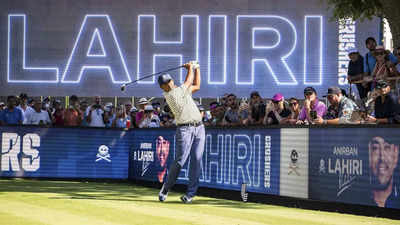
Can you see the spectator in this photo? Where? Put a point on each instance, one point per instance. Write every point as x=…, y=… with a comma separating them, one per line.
x=277, y=112
x=345, y=107
x=133, y=115
x=11, y=115
x=157, y=108
x=167, y=117
x=109, y=112
x=39, y=116
x=128, y=107
x=397, y=54
x=383, y=161
x=2, y=106
x=140, y=115
x=46, y=107
x=121, y=117
x=312, y=107
x=23, y=106
x=150, y=120
x=217, y=114
x=73, y=115
x=83, y=107
x=95, y=114
x=256, y=110
x=231, y=117
x=369, y=59
x=383, y=67
x=356, y=71
x=294, y=109
x=387, y=108
x=243, y=112
x=58, y=114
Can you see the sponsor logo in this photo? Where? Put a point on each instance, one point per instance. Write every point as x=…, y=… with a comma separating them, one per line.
x=103, y=154
x=293, y=163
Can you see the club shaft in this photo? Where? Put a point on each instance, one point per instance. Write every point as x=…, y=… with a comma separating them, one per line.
x=154, y=74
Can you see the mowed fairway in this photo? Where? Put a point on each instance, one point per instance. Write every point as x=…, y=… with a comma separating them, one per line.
x=65, y=202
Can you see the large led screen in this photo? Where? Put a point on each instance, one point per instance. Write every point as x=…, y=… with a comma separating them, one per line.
x=91, y=47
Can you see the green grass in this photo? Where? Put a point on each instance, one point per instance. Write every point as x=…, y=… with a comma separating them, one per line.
x=32, y=202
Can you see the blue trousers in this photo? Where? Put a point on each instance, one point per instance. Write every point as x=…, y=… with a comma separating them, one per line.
x=190, y=140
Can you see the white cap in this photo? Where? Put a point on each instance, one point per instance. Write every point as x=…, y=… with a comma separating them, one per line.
x=352, y=50
x=143, y=101
x=109, y=104
x=148, y=108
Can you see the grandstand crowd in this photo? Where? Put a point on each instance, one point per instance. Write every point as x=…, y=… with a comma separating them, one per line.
x=375, y=75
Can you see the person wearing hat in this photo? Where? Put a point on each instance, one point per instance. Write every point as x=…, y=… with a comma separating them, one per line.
x=370, y=60
x=387, y=108
x=95, y=115
x=277, y=112
x=150, y=120
x=190, y=133
x=345, y=107
x=39, y=116
x=140, y=115
x=312, y=107
x=355, y=73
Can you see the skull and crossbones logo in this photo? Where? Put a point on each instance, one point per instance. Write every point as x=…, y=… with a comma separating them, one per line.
x=293, y=165
x=103, y=154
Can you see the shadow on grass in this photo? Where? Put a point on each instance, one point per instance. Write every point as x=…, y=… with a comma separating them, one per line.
x=107, y=192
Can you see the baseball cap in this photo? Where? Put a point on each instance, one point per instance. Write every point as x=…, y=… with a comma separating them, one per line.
x=254, y=93
x=381, y=84
x=277, y=97
x=333, y=91
x=2, y=104
x=143, y=101
x=164, y=78
x=148, y=108
x=134, y=109
x=309, y=90
x=352, y=50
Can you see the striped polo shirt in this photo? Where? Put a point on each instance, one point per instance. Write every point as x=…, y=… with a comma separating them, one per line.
x=181, y=103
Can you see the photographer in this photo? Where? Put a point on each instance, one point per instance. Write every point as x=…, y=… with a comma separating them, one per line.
x=312, y=107
x=95, y=114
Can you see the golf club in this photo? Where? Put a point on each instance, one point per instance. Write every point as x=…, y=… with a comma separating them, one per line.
x=123, y=86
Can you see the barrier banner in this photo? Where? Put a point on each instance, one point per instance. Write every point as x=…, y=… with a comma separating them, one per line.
x=355, y=165
x=231, y=157
x=64, y=153
x=294, y=162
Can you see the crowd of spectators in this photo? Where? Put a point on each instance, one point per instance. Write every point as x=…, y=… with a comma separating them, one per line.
x=375, y=76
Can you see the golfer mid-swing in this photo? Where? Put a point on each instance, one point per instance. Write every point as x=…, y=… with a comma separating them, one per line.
x=190, y=133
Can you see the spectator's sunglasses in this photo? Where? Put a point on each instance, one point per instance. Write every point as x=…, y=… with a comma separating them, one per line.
x=308, y=93
x=293, y=103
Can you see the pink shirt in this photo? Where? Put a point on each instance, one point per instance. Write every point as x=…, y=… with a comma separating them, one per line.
x=318, y=106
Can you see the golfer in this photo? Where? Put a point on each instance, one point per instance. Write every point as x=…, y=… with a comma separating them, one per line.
x=190, y=133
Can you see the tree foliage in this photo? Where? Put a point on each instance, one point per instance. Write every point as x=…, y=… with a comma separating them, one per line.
x=356, y=9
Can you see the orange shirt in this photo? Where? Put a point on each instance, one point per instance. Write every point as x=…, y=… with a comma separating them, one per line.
x=72, y=117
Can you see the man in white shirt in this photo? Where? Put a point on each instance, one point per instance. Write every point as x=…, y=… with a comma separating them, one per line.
x=190, y=133
x=38, y=116
x=95, y=114
x=24, y=107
